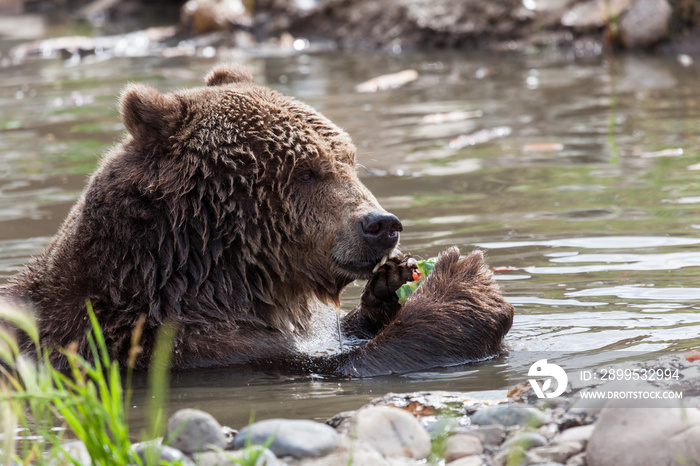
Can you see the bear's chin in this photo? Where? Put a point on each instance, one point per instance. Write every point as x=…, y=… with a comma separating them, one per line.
x=357, y=270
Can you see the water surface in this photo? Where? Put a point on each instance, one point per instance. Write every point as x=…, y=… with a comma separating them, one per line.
x=577, y=176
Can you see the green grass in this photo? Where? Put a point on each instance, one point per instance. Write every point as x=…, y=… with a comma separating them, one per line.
x=88, y=402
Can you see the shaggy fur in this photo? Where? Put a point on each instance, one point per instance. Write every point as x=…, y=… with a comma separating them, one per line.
x=229, y=210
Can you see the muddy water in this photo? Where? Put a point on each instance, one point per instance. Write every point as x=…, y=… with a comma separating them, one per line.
x=577, y=176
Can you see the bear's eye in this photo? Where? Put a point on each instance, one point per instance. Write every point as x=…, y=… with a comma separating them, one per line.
x=307, y=176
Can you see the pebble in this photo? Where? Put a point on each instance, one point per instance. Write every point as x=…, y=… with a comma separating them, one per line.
x=644, y=23
x=352, y=451
x=576, y=434
x=461, y=445
x=509, y=415
x=628, y=436
x=392, y=431
x=162, y=453
x=192, y=430
x=577, y=460
x=467, y=461
x=492, y=435
x=558, y=453
x=76, y=450
x=235, y=458
x=525, y=440
x=290, y=437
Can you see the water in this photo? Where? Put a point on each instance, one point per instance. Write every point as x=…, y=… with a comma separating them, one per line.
x=578, y=176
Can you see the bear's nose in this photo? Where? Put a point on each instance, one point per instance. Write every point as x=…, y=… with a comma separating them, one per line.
x=381, y=229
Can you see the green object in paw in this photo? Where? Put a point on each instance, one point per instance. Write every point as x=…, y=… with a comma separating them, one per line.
x=423, y=270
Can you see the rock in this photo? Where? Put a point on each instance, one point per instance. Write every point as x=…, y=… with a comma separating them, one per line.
x=576, y=434
x=236, y=458
x=200, y=16
x=509, y=457
x=644, y=23
x=444, y=427
x=593, y=13
x=490, y=435
x=632, y=436
x=392, y=25
x=525, y=440
x=461, y=445
x=351, y=451
x=467, y=461
x=192, y=430
x=509, y=415
x=290, y=437
x=558, y=453
x=340, y=418
x=577, y=460
x=155, y=452
x=392, y=432
x=230, y=436
x=77, y=451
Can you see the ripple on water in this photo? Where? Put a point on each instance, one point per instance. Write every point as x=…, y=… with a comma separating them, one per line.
x=644, y=292
x=598, y=242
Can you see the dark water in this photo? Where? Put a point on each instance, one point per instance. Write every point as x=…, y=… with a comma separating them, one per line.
x=578, y=176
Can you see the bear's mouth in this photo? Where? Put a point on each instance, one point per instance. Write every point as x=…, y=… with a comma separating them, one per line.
x=366, y=268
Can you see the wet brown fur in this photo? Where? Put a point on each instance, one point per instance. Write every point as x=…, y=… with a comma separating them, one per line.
x=228, y=209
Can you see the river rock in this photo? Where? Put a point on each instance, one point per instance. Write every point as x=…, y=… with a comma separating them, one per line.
x=492, y=435
x=576, y=434
x=200, y=16
x=75, y=450
x=558, y=453
x=525, y=440
x=593, y=13
x=509, y=415
x=161, y=453
x=290, y=437
x=577, y=460
x=644, y=23
x=461, y=445
x=192, y=430
x=235, y=458
x=628, y=436
x=351, y=451
x=467, y=461
x=392, y=432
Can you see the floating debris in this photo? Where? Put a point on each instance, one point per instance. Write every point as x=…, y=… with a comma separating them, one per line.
x=428, y=403
x=387, y=81
x=447, y=117
x=133, y=44
x=663, y=153
x=543, y=147
x=484, y=72
x=480, y=137
x=505, y=268
x=685, y=60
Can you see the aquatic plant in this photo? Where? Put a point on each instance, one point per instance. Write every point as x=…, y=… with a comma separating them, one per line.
x=41, y=407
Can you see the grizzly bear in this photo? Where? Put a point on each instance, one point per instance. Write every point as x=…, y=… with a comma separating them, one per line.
x=231, y=211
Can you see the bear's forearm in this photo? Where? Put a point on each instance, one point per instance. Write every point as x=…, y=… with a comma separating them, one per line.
x=356, y=324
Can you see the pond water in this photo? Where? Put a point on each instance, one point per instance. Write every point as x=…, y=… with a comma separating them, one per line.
x=578, y=176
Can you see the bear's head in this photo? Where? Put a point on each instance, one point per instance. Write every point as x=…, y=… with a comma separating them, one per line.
x=260, y=184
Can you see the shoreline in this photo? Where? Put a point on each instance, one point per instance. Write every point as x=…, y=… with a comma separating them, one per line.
x=512, y=427
x=573, y=27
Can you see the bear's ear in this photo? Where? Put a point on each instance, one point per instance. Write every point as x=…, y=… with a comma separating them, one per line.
x=228, y=74
x=147, y=114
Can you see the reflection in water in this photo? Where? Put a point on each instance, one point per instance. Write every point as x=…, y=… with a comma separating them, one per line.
x=586, y=205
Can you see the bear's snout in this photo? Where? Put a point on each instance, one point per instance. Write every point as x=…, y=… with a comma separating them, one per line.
x=380, y=230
